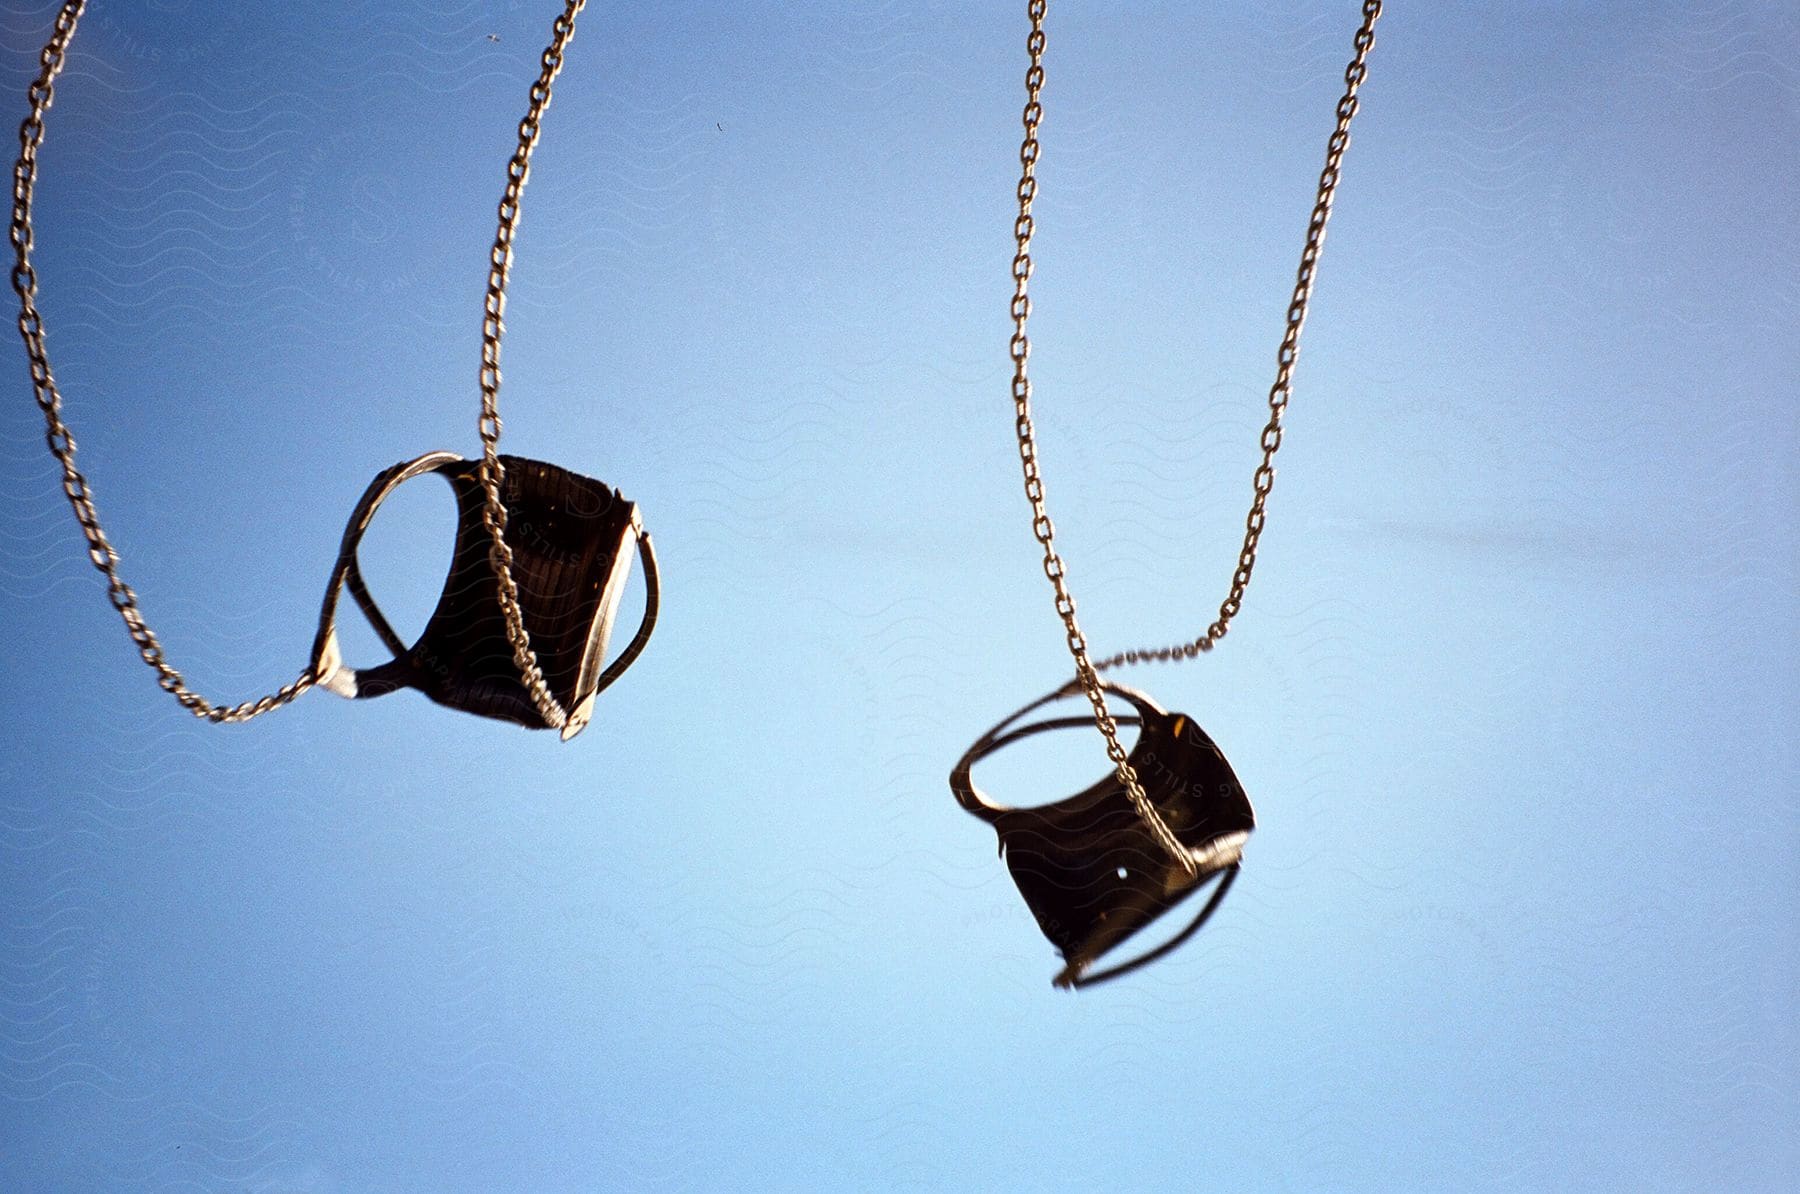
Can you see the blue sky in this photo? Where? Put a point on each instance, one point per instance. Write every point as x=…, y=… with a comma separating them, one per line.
x=1513, y=691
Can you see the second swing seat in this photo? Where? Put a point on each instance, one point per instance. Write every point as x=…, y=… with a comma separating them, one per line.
x=570, y=538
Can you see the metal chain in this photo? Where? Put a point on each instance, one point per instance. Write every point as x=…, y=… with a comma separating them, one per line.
x=1020, y=348
x=49, y=400
x=493, y=473
x=1086, y=671
x=1289, y=352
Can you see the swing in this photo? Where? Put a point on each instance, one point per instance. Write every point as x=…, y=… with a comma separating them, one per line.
x=1089, y=867
x=1098, y=867
x=541, y=557
x=571, y=539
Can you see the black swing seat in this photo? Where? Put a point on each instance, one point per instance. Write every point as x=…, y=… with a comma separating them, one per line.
x=570, y=538
x=1090, y=869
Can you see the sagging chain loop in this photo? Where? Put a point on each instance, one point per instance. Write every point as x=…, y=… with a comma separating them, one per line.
x=493, y=327
x=1087, y=672
x=1263, y=481
x=49, y=399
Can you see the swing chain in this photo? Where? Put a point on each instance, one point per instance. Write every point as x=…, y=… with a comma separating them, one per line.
x=1087, y=671
x=493, y=473
x=49, y=399
x=1042, y=529
x=1285, y=357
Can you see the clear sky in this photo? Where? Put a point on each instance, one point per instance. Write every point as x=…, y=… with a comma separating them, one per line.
x=1514, y=691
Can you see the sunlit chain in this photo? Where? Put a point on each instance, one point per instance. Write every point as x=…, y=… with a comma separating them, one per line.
x=493, y=327
x=49, y=400
x=1289, y=352
x=1020, y=348
x=1087, y=671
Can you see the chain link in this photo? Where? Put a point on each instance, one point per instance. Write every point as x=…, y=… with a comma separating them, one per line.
x=1087, y=672
x=493, y=473
x=49, y=399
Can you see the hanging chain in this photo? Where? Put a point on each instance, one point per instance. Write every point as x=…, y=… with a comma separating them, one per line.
x=49, y=400
x=1087, y=671
x=493, y=473
x=1020, y=349
x=1289, y=352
